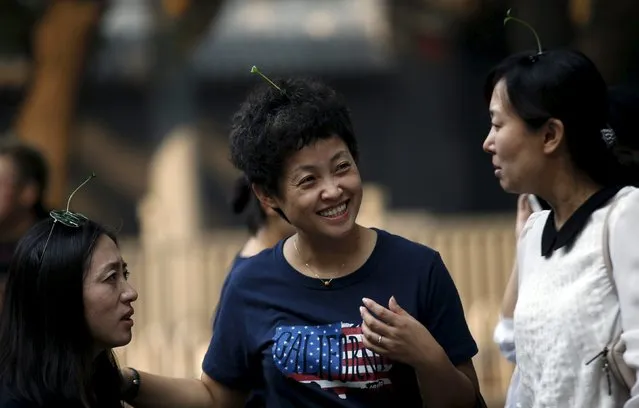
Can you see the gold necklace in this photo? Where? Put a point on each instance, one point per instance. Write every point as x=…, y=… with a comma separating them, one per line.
x=324, y=281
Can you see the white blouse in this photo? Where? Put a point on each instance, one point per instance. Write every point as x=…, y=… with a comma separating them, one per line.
x=566, y=310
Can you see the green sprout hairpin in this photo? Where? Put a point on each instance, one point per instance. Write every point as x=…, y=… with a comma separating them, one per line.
x=508, y=18
x=256, y=70
x=67, y=217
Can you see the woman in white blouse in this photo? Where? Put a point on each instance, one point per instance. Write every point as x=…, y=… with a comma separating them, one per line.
x=550, y=137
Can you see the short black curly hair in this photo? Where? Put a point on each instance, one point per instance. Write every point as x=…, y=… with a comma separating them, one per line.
x=271, y=125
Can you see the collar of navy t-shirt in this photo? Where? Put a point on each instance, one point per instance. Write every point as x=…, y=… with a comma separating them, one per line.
x=313, y=282
x=551, y=239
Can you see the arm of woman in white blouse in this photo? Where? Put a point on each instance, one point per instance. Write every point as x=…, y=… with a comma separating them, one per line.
x=624, y=236
x=504, y=334
x=504, y=331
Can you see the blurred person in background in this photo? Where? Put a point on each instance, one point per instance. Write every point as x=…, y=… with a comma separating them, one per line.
x=551, y=137
x=23, y=180
x=264, y=224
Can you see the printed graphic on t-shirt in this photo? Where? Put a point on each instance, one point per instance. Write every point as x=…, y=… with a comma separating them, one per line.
x=332, y=356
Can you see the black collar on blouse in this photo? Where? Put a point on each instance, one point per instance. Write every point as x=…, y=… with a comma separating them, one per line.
x=551, y=239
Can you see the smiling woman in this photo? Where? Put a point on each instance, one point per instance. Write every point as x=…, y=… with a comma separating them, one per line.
x=68, y=304
x=316, y=321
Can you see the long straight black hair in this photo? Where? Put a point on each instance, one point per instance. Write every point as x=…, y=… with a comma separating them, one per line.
x=47, y=354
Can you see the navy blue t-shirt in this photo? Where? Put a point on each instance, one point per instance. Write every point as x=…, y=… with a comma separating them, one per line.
x=237, y=261
x=302, y=341
x=256, y=397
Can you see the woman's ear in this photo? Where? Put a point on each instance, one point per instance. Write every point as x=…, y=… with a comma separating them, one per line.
x=553, y=135
x=266, y=199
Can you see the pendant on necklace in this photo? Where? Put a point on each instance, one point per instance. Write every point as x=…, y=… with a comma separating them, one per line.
x=327, y=283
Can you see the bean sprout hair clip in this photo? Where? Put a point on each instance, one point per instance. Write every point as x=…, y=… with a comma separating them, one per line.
x=540, y=51
x=609, y=136
x=256, y=70
x=66, y=217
